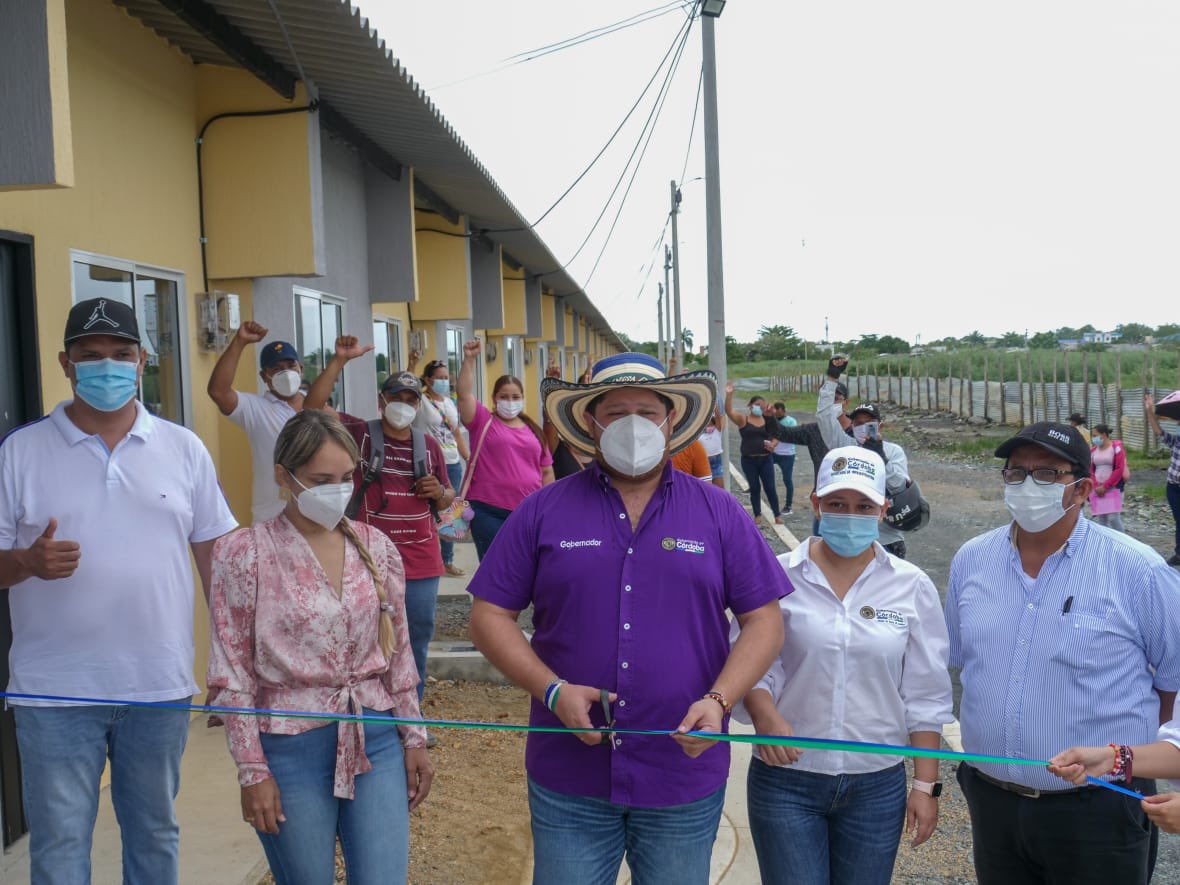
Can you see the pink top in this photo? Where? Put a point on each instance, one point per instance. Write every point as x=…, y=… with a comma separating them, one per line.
x=1106, y=469
x=282, y=639
x=508, y=467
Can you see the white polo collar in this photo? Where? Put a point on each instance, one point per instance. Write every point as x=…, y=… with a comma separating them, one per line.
x=142, y=428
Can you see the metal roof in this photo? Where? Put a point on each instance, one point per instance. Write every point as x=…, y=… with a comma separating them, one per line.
x=351, y=68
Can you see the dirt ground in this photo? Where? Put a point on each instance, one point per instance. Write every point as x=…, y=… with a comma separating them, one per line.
x=474, y=829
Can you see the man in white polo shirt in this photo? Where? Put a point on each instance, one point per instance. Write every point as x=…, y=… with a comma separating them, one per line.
x=262, y=417
x=100, y=504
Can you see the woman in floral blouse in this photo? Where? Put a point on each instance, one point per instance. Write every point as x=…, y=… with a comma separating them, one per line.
x=308, y=615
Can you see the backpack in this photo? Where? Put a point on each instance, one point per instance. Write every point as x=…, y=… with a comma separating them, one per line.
x=377, y=462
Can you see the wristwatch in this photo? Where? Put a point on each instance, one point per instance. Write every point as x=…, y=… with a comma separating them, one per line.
x=930, y=789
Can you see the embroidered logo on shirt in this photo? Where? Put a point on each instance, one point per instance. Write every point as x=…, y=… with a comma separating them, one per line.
x=683, y=545
x=588, y=542
x=889, y=616
x=868, y=612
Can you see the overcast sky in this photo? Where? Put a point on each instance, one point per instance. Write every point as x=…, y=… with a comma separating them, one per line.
x=906, y=168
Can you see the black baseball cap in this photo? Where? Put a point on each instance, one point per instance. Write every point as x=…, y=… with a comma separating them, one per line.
x=402, y=381
x=842, y=389
x=869, y=409
x=277, y=351
x=1062, y=440
x=101, y=316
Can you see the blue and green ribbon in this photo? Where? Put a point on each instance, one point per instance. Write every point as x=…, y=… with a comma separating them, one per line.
x=803, y=743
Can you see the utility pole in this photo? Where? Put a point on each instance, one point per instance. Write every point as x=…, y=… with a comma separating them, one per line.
x=827, y=340
x=666, y=330
x=678, y=329
x=660, y=316
x=715, y=274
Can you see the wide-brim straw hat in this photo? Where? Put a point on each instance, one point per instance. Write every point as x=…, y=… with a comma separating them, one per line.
x=693, y=396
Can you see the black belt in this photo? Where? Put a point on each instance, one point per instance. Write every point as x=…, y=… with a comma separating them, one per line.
x=1028, y=792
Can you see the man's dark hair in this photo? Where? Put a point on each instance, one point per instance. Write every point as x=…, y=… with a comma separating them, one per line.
x=780, y=406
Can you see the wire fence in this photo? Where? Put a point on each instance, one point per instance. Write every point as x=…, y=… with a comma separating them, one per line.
x=1013, y=403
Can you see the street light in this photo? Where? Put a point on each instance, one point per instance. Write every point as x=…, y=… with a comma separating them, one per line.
x=710, y=9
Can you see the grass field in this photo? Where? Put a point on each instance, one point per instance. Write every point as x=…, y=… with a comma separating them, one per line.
x=1131, y=366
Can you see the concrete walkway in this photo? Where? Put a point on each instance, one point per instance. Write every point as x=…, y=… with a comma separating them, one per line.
x=216, y=845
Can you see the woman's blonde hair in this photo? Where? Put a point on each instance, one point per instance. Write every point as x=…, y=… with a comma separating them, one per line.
x=298, y=442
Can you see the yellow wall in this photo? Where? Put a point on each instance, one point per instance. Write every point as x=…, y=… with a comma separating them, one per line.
x=133, y=107
x=512, y=286
x=443, y=281
x=548, y=318
x=568, y=319
x=260, y=206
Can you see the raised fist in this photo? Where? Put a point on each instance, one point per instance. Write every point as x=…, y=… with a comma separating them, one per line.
x=251, y=332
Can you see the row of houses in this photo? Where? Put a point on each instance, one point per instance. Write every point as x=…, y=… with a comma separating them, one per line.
x=208, y=161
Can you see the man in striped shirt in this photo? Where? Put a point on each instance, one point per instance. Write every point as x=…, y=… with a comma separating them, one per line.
x=1066, y=633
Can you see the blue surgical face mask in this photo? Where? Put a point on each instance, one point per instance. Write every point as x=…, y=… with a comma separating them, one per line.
x=441, y=386
x=756, y=411
x=106, y=385
x=848, y=535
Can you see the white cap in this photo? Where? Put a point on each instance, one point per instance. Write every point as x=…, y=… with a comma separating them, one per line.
x=855, y=468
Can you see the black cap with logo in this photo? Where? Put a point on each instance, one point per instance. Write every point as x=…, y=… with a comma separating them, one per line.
x=870, y=409
x=400, y=381
x=1062, y=440
x=101, y=316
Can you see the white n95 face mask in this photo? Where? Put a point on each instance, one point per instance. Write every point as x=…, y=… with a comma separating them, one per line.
x=286, y=383
x=633, y=445
x=1036, y=507
x=399, y=415
x=324, y=505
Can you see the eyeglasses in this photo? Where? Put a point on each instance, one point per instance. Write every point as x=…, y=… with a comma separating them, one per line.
x=1042, y=476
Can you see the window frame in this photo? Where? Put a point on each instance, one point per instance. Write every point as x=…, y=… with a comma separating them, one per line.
x=340, y=392
x=395, y=328
x=154, y=271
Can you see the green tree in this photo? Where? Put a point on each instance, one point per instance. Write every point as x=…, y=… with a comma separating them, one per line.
x=777, y=343
x=1011, y=339
x=1043, y=341
x=686, y=337
x=1132, y=333
x=975, y=339
x=1167, y=329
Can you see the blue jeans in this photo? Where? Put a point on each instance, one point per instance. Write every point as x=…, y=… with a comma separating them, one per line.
x=455, y=475
x=63, y=751
x=717, y=466
x=786, y=464
x=816, y=829
x=374, y=827
x=760, y=475
x=421, y=599
x=580, y=840
x=485, y=525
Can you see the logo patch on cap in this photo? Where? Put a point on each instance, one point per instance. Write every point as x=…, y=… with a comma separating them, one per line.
x=839, y=464
x=1059, y=436
x=99, y=315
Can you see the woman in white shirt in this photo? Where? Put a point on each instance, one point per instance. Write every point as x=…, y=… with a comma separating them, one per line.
x=711, y=439
x=1122, y=763
x=864, y=659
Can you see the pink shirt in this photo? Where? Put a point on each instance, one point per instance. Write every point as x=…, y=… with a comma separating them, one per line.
x=508, y=467
x=282, y=639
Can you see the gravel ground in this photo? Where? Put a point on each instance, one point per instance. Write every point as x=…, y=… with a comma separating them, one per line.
x=965, y=500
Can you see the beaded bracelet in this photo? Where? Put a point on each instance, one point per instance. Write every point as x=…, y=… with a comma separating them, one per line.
x=717, y=696
x=1124, y=758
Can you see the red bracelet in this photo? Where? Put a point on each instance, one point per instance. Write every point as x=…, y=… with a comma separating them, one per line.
x=717, y=696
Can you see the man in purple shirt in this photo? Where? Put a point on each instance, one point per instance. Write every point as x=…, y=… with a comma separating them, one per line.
x=630, y=567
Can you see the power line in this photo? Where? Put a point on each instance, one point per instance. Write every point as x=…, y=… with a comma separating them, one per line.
x=661, y=99
x=637, y=19
x=541, y=52
x=692, y=129
x=678, y=47
x=618, y=128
